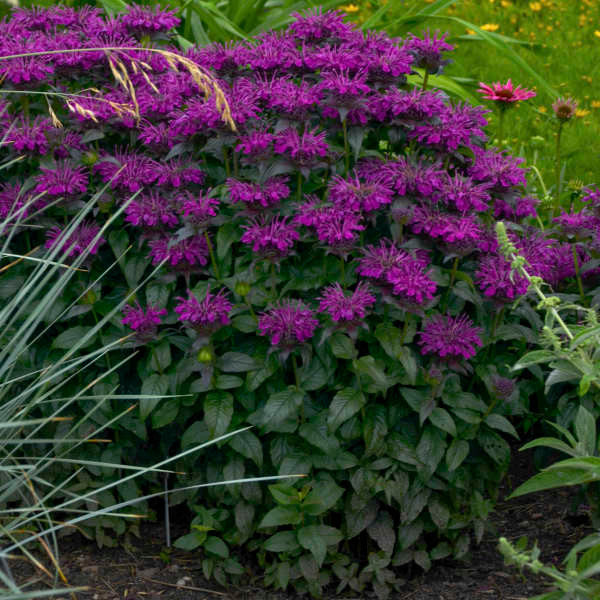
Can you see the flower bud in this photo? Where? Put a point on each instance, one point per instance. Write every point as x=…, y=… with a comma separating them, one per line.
x=89, y=297
x=90, y=158
x=205, y=355
x=242, y=288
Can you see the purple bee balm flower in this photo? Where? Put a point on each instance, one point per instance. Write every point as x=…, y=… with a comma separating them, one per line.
x=515, y=209
x=464, y=195
x=223, y=58
x=63, y=180
x=271, y=239
x=151, y=210
x=69, y=140
x=333, y=57
x=82, y=239
x=344, y=91
x=207, y=315
x=305, y=150
x=31, y=137
x=450, y=338
x=275, y=52
x=399, y=272
x=411, y=283
x=26, y=70
x=497, y=168
x=176, y=173
x=198, y=210
x=155, y=135
x=354, y=195
x=407, y=108
x=127, y=170
x=259, y=196
x=336, y=227
x=592, y=195
x=452, y=229
x=579, y=223
x=317, y=26
x=143, y=322
x=14, y=204
x=144, y=19
x=288, y=324
x=496, y=280
x=427, y=52
x=388, y=65
x=294, y=100
x=342, y=307
x=452, y=128
x=256, y=145
x=413, y=178
x=184, y=255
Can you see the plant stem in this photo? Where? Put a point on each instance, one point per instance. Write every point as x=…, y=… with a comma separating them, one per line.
x=299, y=187
x=501, y=126
x=295, y=367
x=346, y=147
x=212, y=256
x=557, y=169
x=425, y=79
x=452, y=279
x=235, y=164
x=226, y=161
x=578, y=276
x=343, y=269
x=273, y=280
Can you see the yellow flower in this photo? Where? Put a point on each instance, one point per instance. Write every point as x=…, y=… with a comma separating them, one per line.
x=535, y=6
x=470, y=32
x=350, y=8
x=581, y=112
x=505, y=3
x=542, y=109
x=595, y=103
x=490, y=27
x=597, y=33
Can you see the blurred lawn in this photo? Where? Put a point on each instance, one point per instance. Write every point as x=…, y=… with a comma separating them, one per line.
x=561, y=41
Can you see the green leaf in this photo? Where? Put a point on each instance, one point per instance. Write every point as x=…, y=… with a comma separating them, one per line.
x=585, y=430
x=374, y=429
x=501, y=423
x=549, y=479
x=218, y=410
x=534, y=358
x=342, y=346
x=317, y=434
x=550, y=443
x=166, y=413
x=494, y=446
x=226, y=236
x=191, y=541
x=281, y=515
x=313, y=377
x=456, y=453
x=160, y=358
x=439, y=512
x=254, y=379
x=316, y=538
x=134, y=270
x=157, y=294
x=248, y=445
x=215, y=545
x=236, y=362
x=431, y=448
x=282, y=541
x=280, y=407
x=67, y=339
x=442, y=420
x=155, y=385
x=445, y=83
x=228, y=382
x=344, y=405
x=244, y=323
x=323, y=496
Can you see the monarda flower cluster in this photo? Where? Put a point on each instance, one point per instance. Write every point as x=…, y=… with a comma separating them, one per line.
x=336, y=161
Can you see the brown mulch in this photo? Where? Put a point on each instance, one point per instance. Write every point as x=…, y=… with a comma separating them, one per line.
x=140, y=573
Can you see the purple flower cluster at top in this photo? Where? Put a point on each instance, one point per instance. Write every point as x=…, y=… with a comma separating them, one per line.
x=334, y=153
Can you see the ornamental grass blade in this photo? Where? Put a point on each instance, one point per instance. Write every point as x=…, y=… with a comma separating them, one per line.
x=442, y=82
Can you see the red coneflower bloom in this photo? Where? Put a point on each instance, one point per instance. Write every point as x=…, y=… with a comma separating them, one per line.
x=505, y=92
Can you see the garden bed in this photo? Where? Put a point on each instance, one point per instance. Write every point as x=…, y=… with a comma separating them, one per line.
x=141, y=571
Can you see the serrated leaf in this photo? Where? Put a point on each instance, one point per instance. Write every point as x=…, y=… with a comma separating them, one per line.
x=191, y=541
x=67, y=339
x=316, y=538
x=534, y=358
x=585, y=430
x=344, y=405
x=342, y=346
x=281, y=515
x=382, y=530
x=228, y=382
x=456, y=453
x=314, y=376
x=282, y=541
x=496, y=421
x=248, y=445
x=218, y=410
x=374, y=429
x=215, y=545
x=166, y=413
x=155, y=385
x=430, y=449
x=442, y=420
x=280, y=407
x=236, y=362
x=494, y=446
